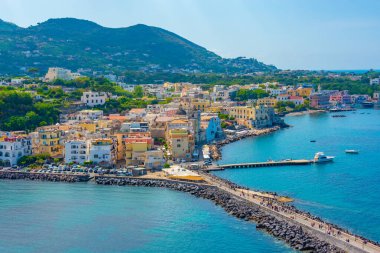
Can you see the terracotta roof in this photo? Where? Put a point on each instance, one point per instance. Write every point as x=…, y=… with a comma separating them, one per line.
x=137, y=110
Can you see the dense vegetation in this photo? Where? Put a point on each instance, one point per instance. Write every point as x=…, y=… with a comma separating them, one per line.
x=37, y=159
x=245, y=94
x=19, y=111
x=73, y=44
x=285, y=106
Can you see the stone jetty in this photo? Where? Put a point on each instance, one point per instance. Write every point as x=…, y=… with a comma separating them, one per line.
x=54, y=177
x=293, y=235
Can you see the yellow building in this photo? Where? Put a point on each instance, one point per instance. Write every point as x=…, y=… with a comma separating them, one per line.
x=268, y=101
x=120, y=151
x=304, y=92
x=253, y=117
x=242, y=114
x=90, y=127
x=198, y=104
x=135, y=149
x=48, y=140
x=300, y=92
x=181, y=144
x=214, y=109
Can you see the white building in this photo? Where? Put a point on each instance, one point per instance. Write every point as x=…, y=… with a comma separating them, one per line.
x=283, y=97
x=17, y=81
x=101, y=151
x=221, y=95
x=276, y=92
x=127, y=87
x=136, y=113
x=374, y=81
x=60, y=73
x=134, y=127
x=89, y=115
x=13, y=148
x=98, y=151
x=296, y=100
x=76, y=151
x=92, y=98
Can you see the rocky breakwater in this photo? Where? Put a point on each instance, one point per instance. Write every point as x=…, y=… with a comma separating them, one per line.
x=215, y=149
x=54, y=177
x=293, y=235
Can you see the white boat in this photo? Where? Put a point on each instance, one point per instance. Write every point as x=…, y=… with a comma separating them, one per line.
x=352, y=151
x=320, y=157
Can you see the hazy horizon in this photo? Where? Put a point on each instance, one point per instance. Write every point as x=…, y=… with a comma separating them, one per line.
x=296, y=34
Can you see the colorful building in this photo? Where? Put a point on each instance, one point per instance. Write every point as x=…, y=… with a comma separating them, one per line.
x=253, y=117
x=12, y=148
x=136, y=146
x=180, y=143
x=211, y=126
x=48, y=140
x=320, y=100
x=268, y=101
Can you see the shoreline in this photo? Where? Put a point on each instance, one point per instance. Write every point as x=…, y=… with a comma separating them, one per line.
x=259, y=209
x=215, y=149
x=293, y=235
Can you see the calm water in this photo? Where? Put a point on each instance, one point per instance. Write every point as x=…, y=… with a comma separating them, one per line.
x=58, y=217
x=345, y=192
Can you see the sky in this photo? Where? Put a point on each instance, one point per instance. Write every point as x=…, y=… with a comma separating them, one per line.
x=290, y=34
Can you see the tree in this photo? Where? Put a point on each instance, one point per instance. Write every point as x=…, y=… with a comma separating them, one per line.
x=138, y=91
x=245, y=94
x=33, y=71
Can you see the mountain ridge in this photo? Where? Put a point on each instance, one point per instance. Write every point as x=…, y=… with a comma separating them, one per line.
x=76, y=43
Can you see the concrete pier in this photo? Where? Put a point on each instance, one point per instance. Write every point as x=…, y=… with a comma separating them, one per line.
x=260, y=164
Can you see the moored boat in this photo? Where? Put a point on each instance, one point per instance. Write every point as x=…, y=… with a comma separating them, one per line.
x=352, y=151
x=320, y=157
x=368, y=104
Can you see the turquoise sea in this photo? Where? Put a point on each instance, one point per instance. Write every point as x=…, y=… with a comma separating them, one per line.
x=84, y=217
x=345, y=192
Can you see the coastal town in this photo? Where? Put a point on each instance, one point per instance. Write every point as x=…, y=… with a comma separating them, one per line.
x=189, y=126
x=172, y=137
x=181, y=123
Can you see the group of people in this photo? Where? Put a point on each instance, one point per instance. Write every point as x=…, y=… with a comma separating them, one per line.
x=276, y=206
